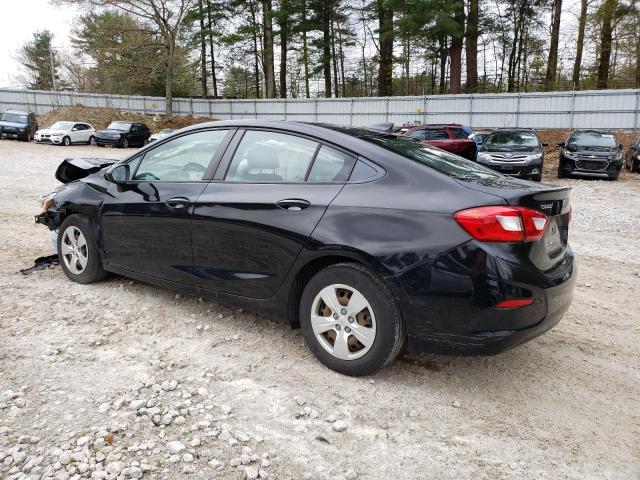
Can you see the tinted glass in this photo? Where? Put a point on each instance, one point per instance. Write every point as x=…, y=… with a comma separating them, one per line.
x=61, y=126
x=437, y=135
x=592, y=139
x=330, y=165
x=362, y=172
x=13, y=117
x=459, y=133
x=182, y=159
x=511, y=138
x=271, y=157
x=419, y=134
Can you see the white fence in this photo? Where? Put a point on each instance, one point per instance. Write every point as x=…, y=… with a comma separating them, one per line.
x=617, y=109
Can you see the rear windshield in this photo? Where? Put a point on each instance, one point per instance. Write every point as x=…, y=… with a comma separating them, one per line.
x=511, y=139
x=592, y=139
x=13, y=117
x=439, y=160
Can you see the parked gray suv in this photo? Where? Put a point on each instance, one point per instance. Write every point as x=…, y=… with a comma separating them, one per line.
x=513, y=151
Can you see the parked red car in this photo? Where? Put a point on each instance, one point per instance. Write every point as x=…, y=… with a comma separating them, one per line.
x=449, y=137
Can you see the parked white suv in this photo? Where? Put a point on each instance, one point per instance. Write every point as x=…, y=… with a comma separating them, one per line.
x=67, y=133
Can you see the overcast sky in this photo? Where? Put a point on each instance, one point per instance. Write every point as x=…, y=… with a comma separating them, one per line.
x=18, y=21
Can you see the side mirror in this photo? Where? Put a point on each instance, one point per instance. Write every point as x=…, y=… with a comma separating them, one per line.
x=119, y=175
x=545, y=144
x=560, y=144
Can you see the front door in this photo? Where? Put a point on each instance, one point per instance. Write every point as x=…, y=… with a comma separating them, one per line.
x=146, y=224
x=252, y=222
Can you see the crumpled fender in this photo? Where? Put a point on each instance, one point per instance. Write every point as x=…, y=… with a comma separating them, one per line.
x=76, y=168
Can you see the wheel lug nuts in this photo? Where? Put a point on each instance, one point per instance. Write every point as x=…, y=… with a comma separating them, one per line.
x=335, y=316
x=343, y=311
x=338, y=327
x=351, y=319
x=347, y=329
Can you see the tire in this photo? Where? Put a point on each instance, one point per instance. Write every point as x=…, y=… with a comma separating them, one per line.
x=536, y=178
x=66, y=141
x=614, y=176
x=561, y=174
x=28, y=137
x=383, y=325
x=125, y=143
x=92, y=141
x=78, y=227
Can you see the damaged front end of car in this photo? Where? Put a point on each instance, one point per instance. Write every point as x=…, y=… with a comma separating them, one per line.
x=57, y=204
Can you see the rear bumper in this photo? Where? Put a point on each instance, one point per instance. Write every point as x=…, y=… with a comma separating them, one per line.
x=449, y=305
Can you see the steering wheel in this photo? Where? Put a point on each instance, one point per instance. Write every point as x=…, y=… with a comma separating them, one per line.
x=192, y=169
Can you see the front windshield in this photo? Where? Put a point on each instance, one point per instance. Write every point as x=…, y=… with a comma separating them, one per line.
x=62, y=126
x=13, y=117
x=124, y=126
x=511, y=139
x=592, y=139
x=439, y=160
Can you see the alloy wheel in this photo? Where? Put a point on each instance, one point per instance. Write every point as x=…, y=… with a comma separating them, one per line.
x=74, y=250
x=343, y=322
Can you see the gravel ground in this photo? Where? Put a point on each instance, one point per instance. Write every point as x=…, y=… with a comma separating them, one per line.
x=124, y=380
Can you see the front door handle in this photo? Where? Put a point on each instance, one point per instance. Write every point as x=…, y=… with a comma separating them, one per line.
x=178, y=202
x=293, y=204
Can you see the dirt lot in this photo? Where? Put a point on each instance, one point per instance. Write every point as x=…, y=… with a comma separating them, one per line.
x=124, y=380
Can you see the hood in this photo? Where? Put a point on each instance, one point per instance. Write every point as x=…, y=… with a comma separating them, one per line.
x=50, y=131
x=12, y=124
x=512, y=150
x=595, y=151
x=76, y=168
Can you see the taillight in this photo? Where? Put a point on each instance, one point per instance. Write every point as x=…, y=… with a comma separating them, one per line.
x=503, y=224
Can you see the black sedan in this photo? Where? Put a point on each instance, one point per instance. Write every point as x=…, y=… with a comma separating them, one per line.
x=365, y=240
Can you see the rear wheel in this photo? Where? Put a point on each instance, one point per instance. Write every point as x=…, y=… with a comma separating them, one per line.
x=77, y=250
x=350, y=320
x=92, y=140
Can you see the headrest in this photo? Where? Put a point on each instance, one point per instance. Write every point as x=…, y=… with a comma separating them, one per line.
x=262, y=157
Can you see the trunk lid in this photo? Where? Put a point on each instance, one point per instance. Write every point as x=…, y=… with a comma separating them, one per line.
x=551, y=200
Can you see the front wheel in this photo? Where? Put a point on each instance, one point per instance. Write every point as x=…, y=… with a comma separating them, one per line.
x=66, y=141
x=350, y=320
x=536, y=178
x=77, y=251
x=125, y=143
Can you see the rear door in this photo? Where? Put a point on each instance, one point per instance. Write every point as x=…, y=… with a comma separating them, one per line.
x=252, y=221
x=146, y=225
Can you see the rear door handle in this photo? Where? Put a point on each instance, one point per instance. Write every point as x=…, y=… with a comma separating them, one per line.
x=293, y=204
x=178, y=202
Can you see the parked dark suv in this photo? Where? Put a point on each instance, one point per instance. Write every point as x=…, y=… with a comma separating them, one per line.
x=17, y=124
x=513, y=151
x=591, y=153
x=123, y=134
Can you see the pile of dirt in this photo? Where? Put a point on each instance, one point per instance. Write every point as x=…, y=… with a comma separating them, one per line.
x=102, y=117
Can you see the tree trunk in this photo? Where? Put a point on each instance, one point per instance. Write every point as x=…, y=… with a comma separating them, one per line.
x=305, y=52
x=577, y=65
x=341, y=57
x=472, y=47
x=326, y=46
x=443, y=65
x=606, y=33
x=267, y=52
x=168, y=95
x=256, y=56
x=284, y=38
x=552, y=62
x=455, y=49
x=214, y=78
x=385, y=41
x=203, y=51
x=335, y=59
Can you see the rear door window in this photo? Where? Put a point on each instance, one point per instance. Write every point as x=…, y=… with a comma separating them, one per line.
x=437, y=135
x=265, y=156
x=420, y=134
x=459, y=133
x=330, y=165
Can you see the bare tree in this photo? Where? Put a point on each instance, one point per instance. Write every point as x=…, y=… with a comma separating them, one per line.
x=163, y=16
